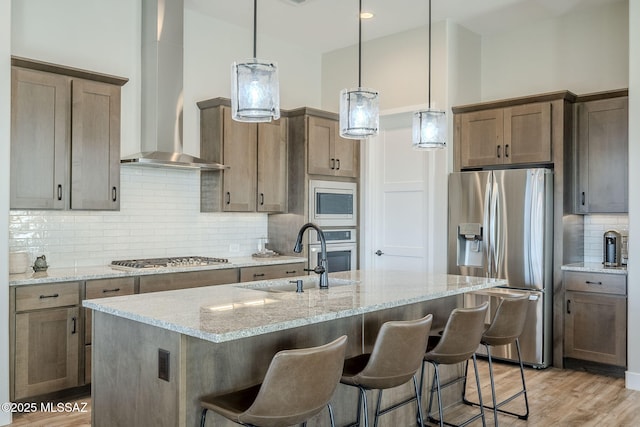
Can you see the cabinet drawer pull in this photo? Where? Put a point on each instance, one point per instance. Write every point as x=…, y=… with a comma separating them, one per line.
x=114, y=194
x=258, y=274
x=261, y=199
x=228, y=201
x=338, y=163
x=59, y=192
x=498, y=151
x=106, y=291
x=49, y=296
x=291, y=272
x=506, y=150
x=73, y=322
x=333, y=164
x=589, y=282
x=582, y=199
x=568, y=306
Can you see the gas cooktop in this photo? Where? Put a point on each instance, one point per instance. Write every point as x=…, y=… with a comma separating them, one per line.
x=190, y=261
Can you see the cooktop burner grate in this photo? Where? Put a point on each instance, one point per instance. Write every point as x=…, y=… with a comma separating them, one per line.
x=191, y=261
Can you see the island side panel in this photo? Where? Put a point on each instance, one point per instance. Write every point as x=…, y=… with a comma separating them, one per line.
x=126, y=390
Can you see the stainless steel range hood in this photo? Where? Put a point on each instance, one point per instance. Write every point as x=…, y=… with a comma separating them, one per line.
x=162, y=86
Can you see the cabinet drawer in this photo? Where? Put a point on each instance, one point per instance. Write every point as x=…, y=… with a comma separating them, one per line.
x=596, y=282
x=191, y=279
x=109, y=287
x=267, y=272
x=104, y=288
x=47, y=296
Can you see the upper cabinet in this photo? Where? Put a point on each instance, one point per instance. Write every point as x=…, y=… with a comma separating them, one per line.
x=602, y=153
x=65, y=138
x=256, y=158
x=329, y=153
x=518, y=134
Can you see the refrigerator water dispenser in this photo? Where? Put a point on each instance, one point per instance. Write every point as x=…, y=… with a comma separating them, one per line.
x=470, y=245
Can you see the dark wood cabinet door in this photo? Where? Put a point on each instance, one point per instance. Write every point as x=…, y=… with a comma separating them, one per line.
x=95, y=146
x=40, y=117
x=321, y=140
x=596, y=327
x=272, y=166
x=46, y=346
x=603, y=156
x=527, y=134
x=481, y=139
x=240, y=155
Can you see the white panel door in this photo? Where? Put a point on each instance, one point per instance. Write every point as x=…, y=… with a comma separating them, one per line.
x=398, y=198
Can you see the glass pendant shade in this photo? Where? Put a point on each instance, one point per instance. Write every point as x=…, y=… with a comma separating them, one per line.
x=359, y=113
x=255, y=92
x=429, y=129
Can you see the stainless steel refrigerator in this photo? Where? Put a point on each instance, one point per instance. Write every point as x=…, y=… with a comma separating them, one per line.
x=501, y=226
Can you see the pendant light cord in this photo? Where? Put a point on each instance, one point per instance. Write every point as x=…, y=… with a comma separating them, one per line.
x=255, y=25
x=360, y=45
x=429, y=99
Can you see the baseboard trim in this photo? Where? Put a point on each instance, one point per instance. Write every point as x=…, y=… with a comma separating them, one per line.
x=632, y=380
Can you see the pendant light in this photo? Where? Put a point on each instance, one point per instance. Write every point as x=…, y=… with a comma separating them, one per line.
x=430, y=125
x=255, y=92
x=359, y=109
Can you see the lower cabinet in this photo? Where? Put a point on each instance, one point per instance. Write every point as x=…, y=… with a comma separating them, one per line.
x=596, y=318
x=46, y=339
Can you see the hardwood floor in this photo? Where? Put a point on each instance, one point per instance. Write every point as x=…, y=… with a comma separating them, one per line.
x=556, y=398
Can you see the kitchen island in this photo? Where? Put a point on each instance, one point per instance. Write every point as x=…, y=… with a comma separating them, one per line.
x=154, y=355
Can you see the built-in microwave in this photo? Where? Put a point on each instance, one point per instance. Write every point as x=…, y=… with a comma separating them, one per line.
x=333, y=203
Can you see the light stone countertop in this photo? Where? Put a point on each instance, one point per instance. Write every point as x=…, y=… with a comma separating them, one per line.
x=230, y=312
x=53, y=275
x=594, y=267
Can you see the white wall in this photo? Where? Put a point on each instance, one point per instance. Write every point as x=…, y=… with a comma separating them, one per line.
x=396, y=66
x=582, y=52
x=633, y=278
x=5, y=121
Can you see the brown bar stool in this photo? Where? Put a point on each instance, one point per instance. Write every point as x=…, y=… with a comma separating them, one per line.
x=506, y=327
x=396, y=357
x=298, y=385
x=459, y=342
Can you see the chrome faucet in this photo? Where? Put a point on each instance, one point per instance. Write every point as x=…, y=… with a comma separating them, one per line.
x=322, y=268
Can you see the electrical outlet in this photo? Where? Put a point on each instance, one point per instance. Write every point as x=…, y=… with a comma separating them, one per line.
x=234, y=247
x=163, y=364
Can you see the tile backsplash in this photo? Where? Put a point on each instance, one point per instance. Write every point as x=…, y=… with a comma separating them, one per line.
x=594, y=228
x=159, y=216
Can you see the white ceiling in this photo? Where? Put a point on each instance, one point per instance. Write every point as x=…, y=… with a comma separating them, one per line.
x=326, y=25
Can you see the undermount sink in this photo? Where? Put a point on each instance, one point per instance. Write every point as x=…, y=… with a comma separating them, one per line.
x=291, y=287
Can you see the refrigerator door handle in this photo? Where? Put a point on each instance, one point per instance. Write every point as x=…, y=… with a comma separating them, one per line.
x=487, y=224
x=494, y=228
